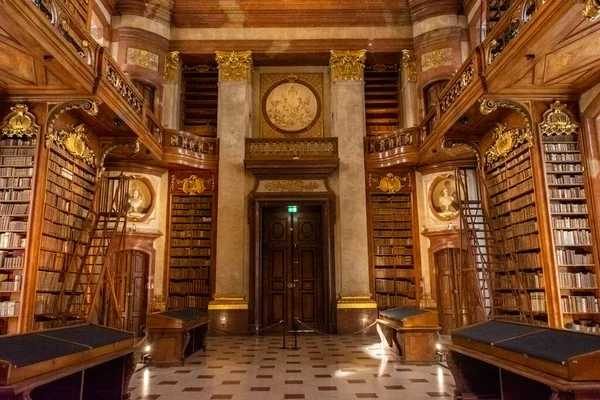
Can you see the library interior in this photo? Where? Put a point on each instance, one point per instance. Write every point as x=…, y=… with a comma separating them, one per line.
x=299, y=199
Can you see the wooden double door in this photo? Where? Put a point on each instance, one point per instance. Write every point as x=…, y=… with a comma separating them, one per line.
x=292, y=266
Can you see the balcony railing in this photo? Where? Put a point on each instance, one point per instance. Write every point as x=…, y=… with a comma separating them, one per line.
x=186, y=148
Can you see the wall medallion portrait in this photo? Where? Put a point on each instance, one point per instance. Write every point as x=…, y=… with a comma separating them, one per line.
x=443, y=197
x=291, y=106
x=141, y=198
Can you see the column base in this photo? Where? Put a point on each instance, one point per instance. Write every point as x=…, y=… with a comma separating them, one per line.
x=356, y=312
x=228, y=315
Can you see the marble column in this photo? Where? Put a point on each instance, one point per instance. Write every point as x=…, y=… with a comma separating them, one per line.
x=171, y=117
x=229, y=308
x=410, y=102
x=355, y=308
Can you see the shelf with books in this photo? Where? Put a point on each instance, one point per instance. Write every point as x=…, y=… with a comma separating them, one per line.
x=572, y=236
x=18, y=154
x=70, y=185
x=391, y=219
x=190, y=277
x=516, y=229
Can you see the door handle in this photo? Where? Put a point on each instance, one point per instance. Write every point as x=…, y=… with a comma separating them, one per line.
x=292, y=285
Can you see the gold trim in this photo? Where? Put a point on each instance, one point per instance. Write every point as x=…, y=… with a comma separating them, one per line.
x=437, y=58
x=505, y=140
x=142, y=58
x=391, y=183
x=20, y=123
x=356, y=300
x=291, y=186
x=487, y=106
x=193, y=184
x=347, y=65
x=173, y=65
x=234, y=66
x=89, y=106
x=228, y=301
x=409, y=65
x=557, y=121
x=75, y=143
x=591, y=10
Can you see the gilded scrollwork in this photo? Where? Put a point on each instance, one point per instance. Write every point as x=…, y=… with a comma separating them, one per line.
x=142, y=58
x=591, y=9
x=124, y=89
x=347, y=65
x=487, y=106
x=90, y=107
x=19, y=123
x=505, y=139
x=457, y=88
x=234, y=66
x=291, y=186
x=200, y=145
x=437, y=58
x=74, y=141
x=173, y=65
x=193, y=184
x=391, y=183
x=557, y=121
x=409, y=65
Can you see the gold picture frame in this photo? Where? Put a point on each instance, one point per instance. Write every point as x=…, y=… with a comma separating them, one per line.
x=141, y=198
x=443, y=197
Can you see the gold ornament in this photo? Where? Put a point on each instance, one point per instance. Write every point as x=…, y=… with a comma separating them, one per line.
x=19, y=123
x=291, y=186
x=435, y=59
x=347, y=65
x=409, y=65
x=557, y=121
x=505, y=139
x=234, y=66
x=193, y=184
x=172, y=66
x=390, y=184
x=591, y=10
x=75, y=142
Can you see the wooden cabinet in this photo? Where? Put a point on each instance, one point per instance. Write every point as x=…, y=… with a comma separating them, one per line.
x=394, y=250
x=191, y=241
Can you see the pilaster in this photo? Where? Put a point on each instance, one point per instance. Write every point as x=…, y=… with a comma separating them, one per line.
x=410, y=100
x=356, y=308
x=171, y=118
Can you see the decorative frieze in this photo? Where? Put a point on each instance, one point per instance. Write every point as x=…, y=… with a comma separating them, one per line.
x=298, y=148
x=395, y=141
x=437, y=58
x=142, y=58
x=234, y=66
x=347, y=65
x=291, y=186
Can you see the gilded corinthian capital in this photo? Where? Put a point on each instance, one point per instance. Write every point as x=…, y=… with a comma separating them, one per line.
x=234, y=66
x=172, y=66
x=591, y=10
x=347, y=65
x=409, y=67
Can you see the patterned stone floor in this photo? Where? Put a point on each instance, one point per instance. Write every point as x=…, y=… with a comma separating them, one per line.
x=324, y=368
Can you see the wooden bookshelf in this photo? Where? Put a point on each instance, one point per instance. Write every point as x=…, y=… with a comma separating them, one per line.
x=190, y=272
x=396, y=275
x=510, y=185
x=69, y=194
x=572, y=237
x=17, y=176
x=200, y=93
x=382, y=98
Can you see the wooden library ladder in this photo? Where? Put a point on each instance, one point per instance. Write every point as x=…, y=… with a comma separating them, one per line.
x=93, y=264
x=491, y=263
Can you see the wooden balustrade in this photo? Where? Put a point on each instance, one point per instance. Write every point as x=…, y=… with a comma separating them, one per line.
x=401, y=146
x=185, y=148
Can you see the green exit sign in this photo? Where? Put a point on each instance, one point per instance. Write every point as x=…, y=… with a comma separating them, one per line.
x=292, y=209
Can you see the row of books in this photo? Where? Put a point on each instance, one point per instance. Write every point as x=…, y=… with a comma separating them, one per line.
x=18, y=142
x=391, y=273
x=71, y=166
x=565, y=180
x=12, y=239
x=392, y=225
x=389, y=286
x=22, y=151
x=579, y=280
x=15, y=183
x=522, y=228
x=580, y=304
x=16, y=172
x=393, y=260
x=179, y=201
x=15, y=195
x=578, y=223
x=391, y=217
x=191, y=226
x=530, y=280
x=9, y=308
x=403, y=205
x=517, y=160
x=560, y=138
x=189, y=273
x=570, y=193
x=520, y=177
x=10, y=224
x=390, y=301
x=14, y=262
x=59, y=217
x=17, y=161
x=572, y=238
x=63, y=173
x=588, y=326
x=192, y=233
x=396, y=251
x=58, y=245
x=558, y=147
x=178, y=220
x=568, y=208
x=392, y=211
x=190, y=242
x=14, y=209
x=572, y=257
x=49, y=281
x=524, y=243
x=513, y=192
x=51, y=260
x=190, y=262
x=62, y=231
x=565, y=157
x=393, y=242
x=65, y=191
x=397, y=198
x=12, y=286
x=553, y=167
x=502, y=175
x=516, y=217
x=528, y=260
x=192, y=213
x=198, y=302
x=393, y=234
x=180, y=251
x=192, y=286
x=536, y=302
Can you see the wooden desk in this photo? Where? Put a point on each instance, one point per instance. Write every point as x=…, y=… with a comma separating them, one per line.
x=176, y=334
x=81, y=362
x=501, y=360
x=409, y=332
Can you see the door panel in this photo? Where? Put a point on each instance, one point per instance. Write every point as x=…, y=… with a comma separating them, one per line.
x=137, y=292
x=292, y=256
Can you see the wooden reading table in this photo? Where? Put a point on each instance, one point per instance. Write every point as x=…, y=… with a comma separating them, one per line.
x=176, y=334
x=409, y=332
x=504, y=360
x=80, y=362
